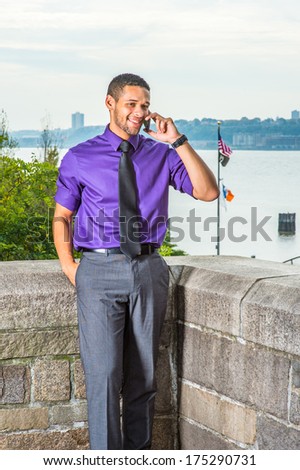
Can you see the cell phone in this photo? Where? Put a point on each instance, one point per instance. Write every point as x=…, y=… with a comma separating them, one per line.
x=147, y=125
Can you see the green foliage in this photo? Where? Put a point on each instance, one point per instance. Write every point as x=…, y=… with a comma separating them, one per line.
x=49, y=142
x=46, y=142
x=52, y=156
x=26, y=209
x=168, y=248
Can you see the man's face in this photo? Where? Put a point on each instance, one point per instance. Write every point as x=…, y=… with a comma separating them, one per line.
x=127, y=114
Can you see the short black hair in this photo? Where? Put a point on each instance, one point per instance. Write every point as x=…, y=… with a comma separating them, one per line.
x=120, y=81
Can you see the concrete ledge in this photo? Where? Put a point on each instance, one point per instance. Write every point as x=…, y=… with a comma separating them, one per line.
x=271, y=314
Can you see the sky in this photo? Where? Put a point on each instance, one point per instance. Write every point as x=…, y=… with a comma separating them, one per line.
x=221, y=59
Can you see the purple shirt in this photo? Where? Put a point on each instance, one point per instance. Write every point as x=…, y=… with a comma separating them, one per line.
x=88, y=184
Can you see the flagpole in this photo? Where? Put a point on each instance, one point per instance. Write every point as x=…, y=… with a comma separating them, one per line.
x=218, y=201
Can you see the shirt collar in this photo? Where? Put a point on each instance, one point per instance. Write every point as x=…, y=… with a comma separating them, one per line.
x=115, y=140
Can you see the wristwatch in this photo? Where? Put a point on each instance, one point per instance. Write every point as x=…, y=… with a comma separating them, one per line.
x=183, y=138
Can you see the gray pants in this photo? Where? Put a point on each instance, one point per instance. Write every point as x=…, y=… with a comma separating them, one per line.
x=121, y=308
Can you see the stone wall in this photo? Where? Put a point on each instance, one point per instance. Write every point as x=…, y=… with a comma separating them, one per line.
x=238, y=353
x=42, y=393
x=229, y=364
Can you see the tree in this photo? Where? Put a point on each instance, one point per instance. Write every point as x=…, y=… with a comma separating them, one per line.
x=7, y=143
x=50, y=141
x=52, y=156
x=46, y=141
x=26, y=192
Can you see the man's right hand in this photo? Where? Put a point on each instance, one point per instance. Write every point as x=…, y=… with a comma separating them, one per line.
x=62, y=234
x=70, y=272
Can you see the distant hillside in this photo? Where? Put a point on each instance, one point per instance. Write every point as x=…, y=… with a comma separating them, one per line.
x=63, y=138
x=252, y=134
x=244, y=133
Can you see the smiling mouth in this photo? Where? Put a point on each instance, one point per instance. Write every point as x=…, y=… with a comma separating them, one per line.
x=135, y=122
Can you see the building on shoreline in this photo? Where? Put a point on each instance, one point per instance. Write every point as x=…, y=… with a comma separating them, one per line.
x=77, y=120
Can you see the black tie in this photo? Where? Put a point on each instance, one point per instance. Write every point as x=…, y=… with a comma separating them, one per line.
x=129, y=234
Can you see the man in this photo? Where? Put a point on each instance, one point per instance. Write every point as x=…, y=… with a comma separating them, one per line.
x=122, y=281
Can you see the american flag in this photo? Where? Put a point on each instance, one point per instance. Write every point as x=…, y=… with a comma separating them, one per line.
x=224, y=151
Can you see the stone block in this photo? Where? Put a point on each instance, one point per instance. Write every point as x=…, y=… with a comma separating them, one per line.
x=164, y=434
x=274, y=435
x=52, y=301
x=79, y=380
x=234, y=421
x=15, y=381
x=295, y=407
x=211, y=299
x=38, y=310
x=170, y=305
x=194, y=437
x=271, y=314
x=38, y=343
x=21, y=419
x=296, y=374
x=74, y=439
x=68, y=414
x=51, y=380
x=243, y=372
x=163, y=402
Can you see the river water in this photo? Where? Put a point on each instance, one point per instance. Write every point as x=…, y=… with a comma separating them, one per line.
x=264, y=183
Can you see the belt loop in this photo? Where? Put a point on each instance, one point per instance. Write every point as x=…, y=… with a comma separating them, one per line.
x=106, y=252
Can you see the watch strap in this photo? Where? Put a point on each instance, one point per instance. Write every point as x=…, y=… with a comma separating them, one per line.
x=183, y=138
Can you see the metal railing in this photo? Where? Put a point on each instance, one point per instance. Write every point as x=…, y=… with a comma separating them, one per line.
x=291, y=260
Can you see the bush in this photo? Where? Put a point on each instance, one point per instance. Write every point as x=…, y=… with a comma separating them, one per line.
x=26, y=209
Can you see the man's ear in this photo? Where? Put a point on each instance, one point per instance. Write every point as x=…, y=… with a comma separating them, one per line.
x=110, y=102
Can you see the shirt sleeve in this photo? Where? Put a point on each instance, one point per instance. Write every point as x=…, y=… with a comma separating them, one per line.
x=179, y=177
x=68, y=192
